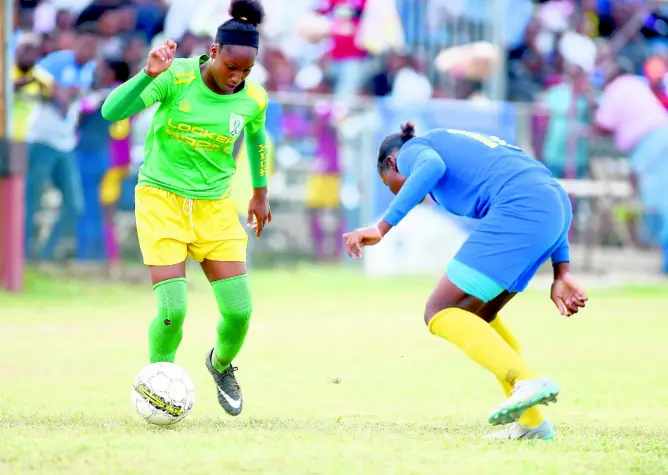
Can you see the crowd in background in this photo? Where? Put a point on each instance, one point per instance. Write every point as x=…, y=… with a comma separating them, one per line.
x=559, y=55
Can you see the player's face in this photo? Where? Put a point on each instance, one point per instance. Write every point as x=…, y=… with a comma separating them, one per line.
x=391, y=177
x=86, y=48
x=26, y=56
x=231, y=65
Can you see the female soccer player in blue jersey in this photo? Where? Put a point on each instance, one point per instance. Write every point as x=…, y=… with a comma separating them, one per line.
x=524, y=218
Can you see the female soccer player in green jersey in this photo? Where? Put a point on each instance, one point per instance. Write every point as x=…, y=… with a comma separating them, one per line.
x=182, y=201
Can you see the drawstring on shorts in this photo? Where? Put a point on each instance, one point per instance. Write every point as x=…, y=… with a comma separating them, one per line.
x=188, y=209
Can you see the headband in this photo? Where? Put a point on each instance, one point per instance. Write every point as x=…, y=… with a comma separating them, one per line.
x=228, y=36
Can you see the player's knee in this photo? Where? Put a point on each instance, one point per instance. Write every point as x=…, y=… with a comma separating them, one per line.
x=234, y=300
x=174, y=314
x=237, y=312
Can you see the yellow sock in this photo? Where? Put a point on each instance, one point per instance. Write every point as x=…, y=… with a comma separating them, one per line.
x=533, y=417
x=481, y=343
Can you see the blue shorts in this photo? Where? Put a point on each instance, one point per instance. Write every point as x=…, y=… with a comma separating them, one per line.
x=526, y=223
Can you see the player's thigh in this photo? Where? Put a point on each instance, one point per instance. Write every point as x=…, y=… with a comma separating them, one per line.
x=163, y=228
x=219, y=270
x=219, y=235
x=163, y=273
x=490, y=310
x=448, y=294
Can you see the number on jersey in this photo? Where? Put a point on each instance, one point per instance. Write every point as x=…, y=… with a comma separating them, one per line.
x=490, y=141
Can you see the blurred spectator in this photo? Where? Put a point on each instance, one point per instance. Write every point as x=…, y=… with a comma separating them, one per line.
x=65, y=76
x=419, y=50
x=401, y=77
x=630, y=111
x=134, y=53
x=568, y=107
x=350, y=66
x=655, y=71
x=323, y=186
x=26, y=87
x=568, y=104
x=103, y=157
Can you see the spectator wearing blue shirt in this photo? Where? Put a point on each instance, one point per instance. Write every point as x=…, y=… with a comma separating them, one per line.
x=52, y=136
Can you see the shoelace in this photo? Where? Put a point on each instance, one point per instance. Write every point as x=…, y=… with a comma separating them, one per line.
x=230, y=371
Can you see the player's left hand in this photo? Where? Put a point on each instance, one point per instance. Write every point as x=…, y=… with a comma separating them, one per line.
x=567, y=295
x=259, y=213
x=355, y=240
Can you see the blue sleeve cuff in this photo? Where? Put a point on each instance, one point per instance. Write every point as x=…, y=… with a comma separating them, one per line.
x=393, y=216
x=562, y=254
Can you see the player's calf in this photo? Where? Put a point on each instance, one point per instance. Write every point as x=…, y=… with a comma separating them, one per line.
x=235, y=305
x=166, y=329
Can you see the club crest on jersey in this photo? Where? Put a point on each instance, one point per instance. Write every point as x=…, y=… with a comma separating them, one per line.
x=236, y=124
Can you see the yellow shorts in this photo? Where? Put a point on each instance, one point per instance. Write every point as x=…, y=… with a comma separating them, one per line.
x=112, y=185
x=171, y=228
x=323, y=191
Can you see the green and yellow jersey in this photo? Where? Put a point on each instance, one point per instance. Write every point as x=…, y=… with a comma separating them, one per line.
x=190, y=144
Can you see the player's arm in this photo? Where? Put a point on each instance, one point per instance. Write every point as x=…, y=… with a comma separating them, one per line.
x=46, y=72
x=259, y=212
x=152, y=84
x=256, y=146
x=427, y=169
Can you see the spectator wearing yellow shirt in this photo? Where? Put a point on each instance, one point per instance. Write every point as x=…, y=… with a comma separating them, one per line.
x=26, y=88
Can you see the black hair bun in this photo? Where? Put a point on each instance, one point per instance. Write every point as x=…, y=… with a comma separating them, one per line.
x=407, y=131
x=247, y=11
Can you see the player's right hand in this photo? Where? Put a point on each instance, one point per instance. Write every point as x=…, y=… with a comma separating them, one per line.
x=357, y=239
x=160, y=58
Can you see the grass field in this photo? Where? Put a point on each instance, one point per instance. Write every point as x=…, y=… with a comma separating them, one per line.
x=340, y=376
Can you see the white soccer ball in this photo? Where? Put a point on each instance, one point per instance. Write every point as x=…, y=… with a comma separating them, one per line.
x=163, y=393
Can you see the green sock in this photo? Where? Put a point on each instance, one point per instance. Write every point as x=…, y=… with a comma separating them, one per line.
x=234, y=302
x=166, y=329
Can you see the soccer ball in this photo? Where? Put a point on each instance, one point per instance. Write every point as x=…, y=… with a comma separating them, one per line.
x=163, y=393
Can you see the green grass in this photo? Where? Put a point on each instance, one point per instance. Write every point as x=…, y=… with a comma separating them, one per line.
x=340, y=376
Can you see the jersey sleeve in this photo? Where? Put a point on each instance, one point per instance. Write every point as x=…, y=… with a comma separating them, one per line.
x=128, y=98
x=424, y=168
x=256, y=145
x=562, y=253
x=47, y=70
x=159, y=89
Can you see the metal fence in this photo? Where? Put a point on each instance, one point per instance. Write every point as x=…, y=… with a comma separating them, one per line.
x=432, y=26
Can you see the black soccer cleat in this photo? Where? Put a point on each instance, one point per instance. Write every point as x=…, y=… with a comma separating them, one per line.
x=229, y=392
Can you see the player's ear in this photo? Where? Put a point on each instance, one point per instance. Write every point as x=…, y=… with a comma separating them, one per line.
x=392, y=162
x=213, y=50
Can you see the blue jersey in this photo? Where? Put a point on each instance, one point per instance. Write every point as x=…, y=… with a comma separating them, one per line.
x=461, y=171
x=468, y=174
